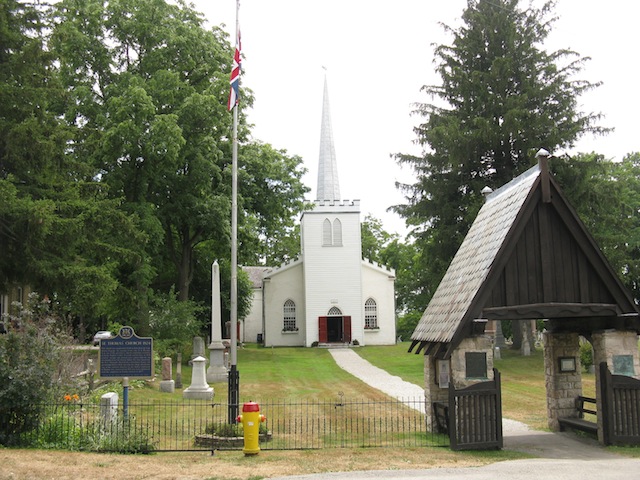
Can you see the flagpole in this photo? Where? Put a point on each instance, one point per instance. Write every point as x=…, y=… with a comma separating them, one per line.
x=234, y=387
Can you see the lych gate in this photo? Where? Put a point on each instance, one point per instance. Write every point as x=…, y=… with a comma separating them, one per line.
x=528, y=256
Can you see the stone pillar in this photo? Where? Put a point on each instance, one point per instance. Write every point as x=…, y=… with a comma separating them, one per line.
x=562, y=386
x=480, y=349
x=217, y=371
x=167, y=384
x=198, y=388
x=432, y=391
x=620, y=350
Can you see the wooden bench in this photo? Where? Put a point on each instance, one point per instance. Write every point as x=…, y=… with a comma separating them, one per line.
x=579, y=423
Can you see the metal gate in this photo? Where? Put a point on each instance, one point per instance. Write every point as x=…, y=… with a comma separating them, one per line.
x=475, y=416
x=620, y=396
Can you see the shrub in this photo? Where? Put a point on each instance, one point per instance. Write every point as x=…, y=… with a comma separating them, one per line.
x=121, y=437
x=173, y=323
x=224, y=429
x=231, y=430
x=30, y=355
x=61, y=431
x=586, y=355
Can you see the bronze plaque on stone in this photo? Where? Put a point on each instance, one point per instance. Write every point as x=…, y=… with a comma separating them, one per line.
x=476, y=364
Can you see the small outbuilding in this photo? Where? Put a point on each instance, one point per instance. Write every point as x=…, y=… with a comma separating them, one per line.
x=528, y=256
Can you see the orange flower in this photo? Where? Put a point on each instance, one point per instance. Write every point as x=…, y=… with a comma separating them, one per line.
x=67, y=398
x=75, y=397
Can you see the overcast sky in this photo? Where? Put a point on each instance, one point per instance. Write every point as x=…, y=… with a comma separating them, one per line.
x=378, y=54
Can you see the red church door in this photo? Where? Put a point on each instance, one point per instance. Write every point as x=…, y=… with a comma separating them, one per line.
x=322, y=330
x=346, y=329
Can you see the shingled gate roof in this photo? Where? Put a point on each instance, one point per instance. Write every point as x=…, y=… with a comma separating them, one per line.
x=526, y=256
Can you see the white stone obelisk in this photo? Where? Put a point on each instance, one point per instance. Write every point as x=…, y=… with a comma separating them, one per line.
x=217, y=372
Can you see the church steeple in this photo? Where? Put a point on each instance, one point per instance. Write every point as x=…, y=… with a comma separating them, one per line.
x=328, y=184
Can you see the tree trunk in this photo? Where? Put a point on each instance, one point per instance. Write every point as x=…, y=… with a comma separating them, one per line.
x=184, y=272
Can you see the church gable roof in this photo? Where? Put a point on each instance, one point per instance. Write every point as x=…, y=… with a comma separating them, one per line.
x=283, y=268
x=256, y=274
x=527, y=255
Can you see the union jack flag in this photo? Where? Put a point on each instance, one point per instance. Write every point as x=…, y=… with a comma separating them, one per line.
x=234, y=79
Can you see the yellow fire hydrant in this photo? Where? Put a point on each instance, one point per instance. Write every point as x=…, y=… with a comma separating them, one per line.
x=251, y=419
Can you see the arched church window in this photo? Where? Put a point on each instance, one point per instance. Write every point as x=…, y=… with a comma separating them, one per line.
x=334, y=312
x=370, y=313
x=289, y=311
x=327, y=234
x=337, y=232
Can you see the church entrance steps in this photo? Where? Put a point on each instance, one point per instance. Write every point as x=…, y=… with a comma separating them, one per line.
x=333, y=345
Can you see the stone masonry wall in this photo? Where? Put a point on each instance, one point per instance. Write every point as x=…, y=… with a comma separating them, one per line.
x=432, y=391
x=480, y=343
x=606, y=345
x=562, y=387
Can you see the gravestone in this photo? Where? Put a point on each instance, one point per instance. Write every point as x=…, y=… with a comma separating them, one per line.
x=179, y=371
x=199, y=389
x=167, y=384
x=109, y=408
x=526, y=347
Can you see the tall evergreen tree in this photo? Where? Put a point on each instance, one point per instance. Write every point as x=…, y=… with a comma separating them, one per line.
x=502, y=97
x=606, y=196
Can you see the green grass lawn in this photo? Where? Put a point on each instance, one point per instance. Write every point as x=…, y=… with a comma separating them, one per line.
x=276, y=373
x=523, y=384
x=311, y=373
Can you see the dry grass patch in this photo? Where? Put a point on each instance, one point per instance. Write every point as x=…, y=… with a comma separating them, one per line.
x=32, y=464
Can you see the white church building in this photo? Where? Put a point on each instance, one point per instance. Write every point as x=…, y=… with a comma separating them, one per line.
x=330, y=295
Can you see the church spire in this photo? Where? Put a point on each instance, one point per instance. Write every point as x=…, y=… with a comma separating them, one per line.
x=328, y=185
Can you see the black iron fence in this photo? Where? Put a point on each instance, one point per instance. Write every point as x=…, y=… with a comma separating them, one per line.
x=202, y=425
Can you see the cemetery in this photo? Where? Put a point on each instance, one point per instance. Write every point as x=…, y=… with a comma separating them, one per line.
x=462, y=407
x=119, y=174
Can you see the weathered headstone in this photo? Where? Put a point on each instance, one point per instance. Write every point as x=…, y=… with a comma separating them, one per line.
x=179, y=371
x=167, y=384
x=199, y=389
x=499, y=337
x=109, y=408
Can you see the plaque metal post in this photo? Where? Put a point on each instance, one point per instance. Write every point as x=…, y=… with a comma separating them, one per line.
x=125, y=396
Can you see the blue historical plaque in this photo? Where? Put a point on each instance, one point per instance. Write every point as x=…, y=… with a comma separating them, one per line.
x=126, y=355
